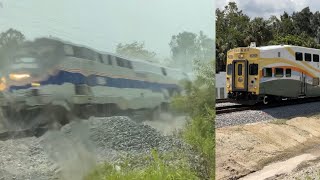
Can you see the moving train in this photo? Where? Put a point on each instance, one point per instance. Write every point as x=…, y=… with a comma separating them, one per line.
x=272, y=73
x=52, y=77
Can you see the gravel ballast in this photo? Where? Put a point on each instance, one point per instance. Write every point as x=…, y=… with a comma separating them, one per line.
x=78, y=147
x=253, y=116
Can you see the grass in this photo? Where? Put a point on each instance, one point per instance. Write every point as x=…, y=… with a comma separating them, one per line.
x=156, y=169
x=200, y=134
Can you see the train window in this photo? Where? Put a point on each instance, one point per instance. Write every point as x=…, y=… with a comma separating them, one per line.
x=239, y=69
x=164, y=71
x=288, y=72
x=120, y=62
x=307, y=57
x=85, y=53
x=278, y=72
x=109, y=60
x=279, y=54
x=267, y=72
x=316, y=58
x=68, y=50
x=129, y=64
x=299, y=56
x=229, y=69
x=253, y=69
x=100, y=58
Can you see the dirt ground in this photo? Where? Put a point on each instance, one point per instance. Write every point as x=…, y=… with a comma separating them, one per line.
x=258, y=150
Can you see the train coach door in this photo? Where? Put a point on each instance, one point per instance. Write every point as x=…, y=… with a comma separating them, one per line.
x=303, y=85
x=240, y=75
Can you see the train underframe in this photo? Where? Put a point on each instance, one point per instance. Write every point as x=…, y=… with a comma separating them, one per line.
x=18, y=115
x=249, y=98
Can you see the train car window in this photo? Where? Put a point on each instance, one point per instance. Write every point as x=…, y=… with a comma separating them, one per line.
x=307, y=57
x=77, y=52
x=288, y=72
x=68, y=50
x=164, y=72
x=253, y=69
x=278, y=72
x=316, y=58
x=120, y=62
x=129, y=64
x=279, y=54
x=85, y=53
x=100, y=58
x=239, y=69
x=267, y=72
x=109, y=60
x=229, y=69
x=299, y=56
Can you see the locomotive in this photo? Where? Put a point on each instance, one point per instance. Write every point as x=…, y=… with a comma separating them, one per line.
x=56, y=78
x=272, y=73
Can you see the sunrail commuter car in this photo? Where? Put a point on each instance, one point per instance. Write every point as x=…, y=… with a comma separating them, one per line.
x=272, y=73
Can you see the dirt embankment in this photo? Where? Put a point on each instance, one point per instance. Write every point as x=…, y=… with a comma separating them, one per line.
x=241, y=150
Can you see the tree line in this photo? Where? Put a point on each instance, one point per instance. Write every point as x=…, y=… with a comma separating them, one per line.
x=236, y=29
x=186, y=50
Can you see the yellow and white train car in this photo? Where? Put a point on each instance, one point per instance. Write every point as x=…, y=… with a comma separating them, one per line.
x=265, y=74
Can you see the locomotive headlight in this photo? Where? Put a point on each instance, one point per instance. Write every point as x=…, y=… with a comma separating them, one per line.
x=35, y=84
x=18, y=77
x=241, y=56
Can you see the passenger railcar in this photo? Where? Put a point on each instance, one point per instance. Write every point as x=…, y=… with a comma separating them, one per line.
x=54, y=76
x=272, y=73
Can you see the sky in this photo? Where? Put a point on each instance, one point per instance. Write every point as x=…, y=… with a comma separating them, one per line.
x=102, y=24
x=266, y=8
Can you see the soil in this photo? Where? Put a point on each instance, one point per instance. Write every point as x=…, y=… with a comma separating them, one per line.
x=258, y=150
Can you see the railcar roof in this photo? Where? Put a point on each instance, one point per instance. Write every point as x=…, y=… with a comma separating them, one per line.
x=282, y=46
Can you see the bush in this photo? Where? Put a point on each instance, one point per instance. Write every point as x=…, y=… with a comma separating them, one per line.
x=199, y=103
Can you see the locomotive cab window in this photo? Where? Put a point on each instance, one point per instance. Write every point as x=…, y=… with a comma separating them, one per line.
x=239, y=69
x=229, y=69
x=316, y=58
x=307, y=57
x=267, y=72
x=299, y=56
x=288, y=72
x=253, y=69
x=278, y=72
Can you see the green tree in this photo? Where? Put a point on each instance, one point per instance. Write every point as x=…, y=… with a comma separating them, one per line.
x=302, y=20
x=258, y=31
x=183, y=48
x=11, y=38
x=231, y=25
x=187, y=47
x=9, y=42
x=136, y=50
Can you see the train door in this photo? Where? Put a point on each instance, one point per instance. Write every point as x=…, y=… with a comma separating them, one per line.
x=240, y=75
x=303, y=84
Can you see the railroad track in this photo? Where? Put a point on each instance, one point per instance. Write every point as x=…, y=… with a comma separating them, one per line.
x=236, y=108
x=233, y=108
x=222, y=101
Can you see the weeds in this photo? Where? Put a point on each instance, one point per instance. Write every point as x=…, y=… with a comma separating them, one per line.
x=157, y=169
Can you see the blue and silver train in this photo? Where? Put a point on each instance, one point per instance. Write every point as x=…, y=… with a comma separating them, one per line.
x=52, y=77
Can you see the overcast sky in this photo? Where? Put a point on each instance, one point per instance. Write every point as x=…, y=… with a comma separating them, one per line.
x=266, y=8
x=102, y=24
